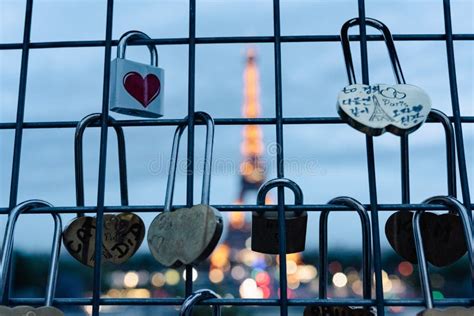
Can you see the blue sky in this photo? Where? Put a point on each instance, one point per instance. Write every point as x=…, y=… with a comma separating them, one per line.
x=327, y=161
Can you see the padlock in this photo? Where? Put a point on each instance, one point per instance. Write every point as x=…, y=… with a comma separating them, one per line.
x=123, y=233
x=337, y=311
x=265, y=229
x=136, y=89
x=451, y=204
x=7, y=250
x=315, y=310
x=197, y=297
x=443, y=242
x=374, y=109
x=187, y=235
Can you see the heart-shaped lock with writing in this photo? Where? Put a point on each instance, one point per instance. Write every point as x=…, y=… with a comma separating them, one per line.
x=187, y=235
x=376, y=108
x=7, y=250
x=315, y=310
x=265, y=225
x=198, y=297
x=122, y=233
x=444, y=243
x=136, y=89
x=453, y=205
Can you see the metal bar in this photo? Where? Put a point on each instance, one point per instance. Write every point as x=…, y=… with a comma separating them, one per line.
x=283, y=284
x=217, y=121
x=242, y=302
x=453, y=86
x=377, y=260
x=96, y=288
x=191, y=107
x=20, y=114
x=231, y=208
x=235, y=40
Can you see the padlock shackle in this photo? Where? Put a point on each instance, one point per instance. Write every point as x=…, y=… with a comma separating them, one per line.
x=280, y=182
x=197, y=297
x=133, y=35
x=206, y=179
x=366, y=245
x=7, y=249
x=346, y=48
x=451, y=204
x=439, y=116
x=79, y=164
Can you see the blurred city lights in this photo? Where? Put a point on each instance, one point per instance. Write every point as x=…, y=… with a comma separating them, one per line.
x=405, y=268
x=339, y=279
x=194, y=273
x=172, y=277
x=130, y=280
x=216, y=275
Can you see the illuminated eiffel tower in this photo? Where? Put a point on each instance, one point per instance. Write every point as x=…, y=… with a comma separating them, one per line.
x=379, y=114
x=252, y=167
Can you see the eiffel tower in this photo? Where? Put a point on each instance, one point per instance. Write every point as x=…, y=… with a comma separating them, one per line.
x=379, y=114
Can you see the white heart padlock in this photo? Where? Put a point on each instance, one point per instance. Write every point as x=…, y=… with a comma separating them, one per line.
x=374, y=109
x=136, y=89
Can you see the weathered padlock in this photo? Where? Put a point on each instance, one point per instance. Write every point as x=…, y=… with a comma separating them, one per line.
x=323, y=263
x=265, y=230
x=453, y=205
x=123, y=233
x=7, y=250
x=444, y=244
x=373, y=109
x=187, y=235
x=136, y=89
x=197, y=297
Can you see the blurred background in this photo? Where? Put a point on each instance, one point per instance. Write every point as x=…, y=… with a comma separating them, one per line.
x=232, y=80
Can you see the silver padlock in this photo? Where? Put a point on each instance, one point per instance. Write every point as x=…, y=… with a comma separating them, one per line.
x=136, y=89
x=197, y=297
x=453, y=205
x=7, y=251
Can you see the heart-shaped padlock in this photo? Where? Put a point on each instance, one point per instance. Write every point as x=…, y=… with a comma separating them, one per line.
x=323, y=261
x=7, y=250
x=443, y=242
x=453, y=205
x=187, y=235
x=122, y=233
x=374, y=109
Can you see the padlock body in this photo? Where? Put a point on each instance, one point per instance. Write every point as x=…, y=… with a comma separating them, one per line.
x=265, y=235
x=136, y=89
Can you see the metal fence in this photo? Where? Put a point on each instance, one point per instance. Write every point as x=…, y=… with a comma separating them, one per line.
x=278, y=122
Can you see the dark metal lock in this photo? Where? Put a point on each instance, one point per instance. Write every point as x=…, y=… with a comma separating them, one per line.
x=265, y=230
x=453, y=205
x=197, y=297
x=442, y=234
x=337, y=311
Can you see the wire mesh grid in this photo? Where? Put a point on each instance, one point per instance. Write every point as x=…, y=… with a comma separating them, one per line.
x=278, y=121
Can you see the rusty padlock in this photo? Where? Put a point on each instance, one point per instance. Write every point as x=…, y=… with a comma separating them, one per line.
x=7, y=250
x=122, y=233
x=453, y=205
x=136, y=89
x=265, y=230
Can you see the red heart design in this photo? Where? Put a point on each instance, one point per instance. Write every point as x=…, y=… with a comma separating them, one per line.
x=144, y=90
